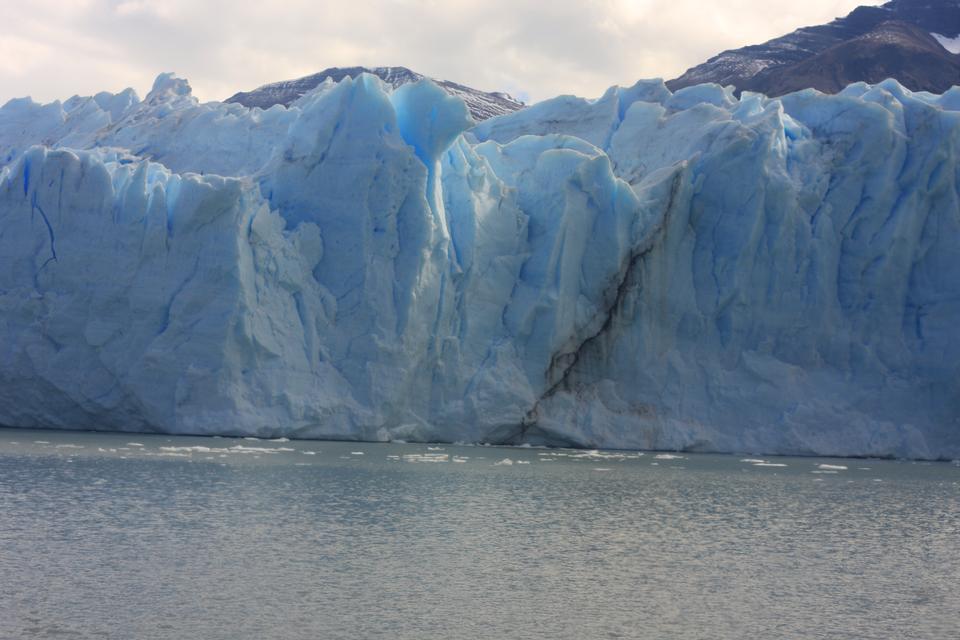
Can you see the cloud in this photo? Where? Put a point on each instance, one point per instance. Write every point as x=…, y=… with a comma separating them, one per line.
x=66, y=47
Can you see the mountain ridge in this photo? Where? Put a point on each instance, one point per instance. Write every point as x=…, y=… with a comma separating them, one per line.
x=482, y=104
x=811, y=56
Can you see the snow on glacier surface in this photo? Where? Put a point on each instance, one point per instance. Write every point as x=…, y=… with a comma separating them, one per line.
x=687, y=271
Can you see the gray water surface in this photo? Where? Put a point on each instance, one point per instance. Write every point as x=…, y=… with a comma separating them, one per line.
x=137, y=536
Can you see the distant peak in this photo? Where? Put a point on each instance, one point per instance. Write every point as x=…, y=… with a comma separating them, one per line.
x=482, y=105
x=897, y=39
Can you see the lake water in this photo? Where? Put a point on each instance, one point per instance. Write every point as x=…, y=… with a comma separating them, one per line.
x=137, y=536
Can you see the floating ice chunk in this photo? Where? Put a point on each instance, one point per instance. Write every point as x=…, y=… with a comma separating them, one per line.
x=835, y=467
x=239, y=448
x=426, y=457
x=506, y=462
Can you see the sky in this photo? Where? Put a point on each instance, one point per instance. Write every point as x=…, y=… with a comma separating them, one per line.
x=52, y=49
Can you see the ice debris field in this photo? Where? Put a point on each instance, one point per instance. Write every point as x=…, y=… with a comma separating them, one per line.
x=69, y=447
x=649, y=270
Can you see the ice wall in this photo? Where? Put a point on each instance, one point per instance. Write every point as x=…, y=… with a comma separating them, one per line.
x=683, y=271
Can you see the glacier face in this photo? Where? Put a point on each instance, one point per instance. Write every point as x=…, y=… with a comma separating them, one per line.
x=684, y=270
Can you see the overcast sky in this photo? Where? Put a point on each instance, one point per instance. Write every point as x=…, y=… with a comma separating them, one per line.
x=535, y=49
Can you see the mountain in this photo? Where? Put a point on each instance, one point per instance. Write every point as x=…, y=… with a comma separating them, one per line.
x=892, y=50
x=902, y=39
x=482, y=105
x=653, y=270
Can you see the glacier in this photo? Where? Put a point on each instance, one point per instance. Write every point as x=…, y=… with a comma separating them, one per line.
x=687, y=271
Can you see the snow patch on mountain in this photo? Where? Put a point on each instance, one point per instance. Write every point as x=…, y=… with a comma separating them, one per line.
x=950, y=44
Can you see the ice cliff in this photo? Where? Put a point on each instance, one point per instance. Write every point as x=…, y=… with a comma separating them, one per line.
x=684, y=270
